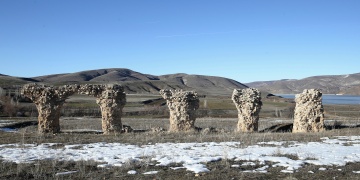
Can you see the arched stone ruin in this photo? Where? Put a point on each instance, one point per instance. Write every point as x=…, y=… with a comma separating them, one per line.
x=182, y=106
x=49, y=101
x=309, y=112
x=308, y=115
x=111, y=99
x=248, y=103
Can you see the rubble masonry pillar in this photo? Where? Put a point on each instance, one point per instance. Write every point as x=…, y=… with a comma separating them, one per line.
x=309, y=112
x=111, y=100
x=49, y=101
x=248, y=103
x=182, y=106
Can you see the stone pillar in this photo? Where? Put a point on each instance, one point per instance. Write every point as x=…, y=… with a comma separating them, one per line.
x=182, y=106
x=248, y=103
x=309, y=112
x=49, y=101
x=111, y=99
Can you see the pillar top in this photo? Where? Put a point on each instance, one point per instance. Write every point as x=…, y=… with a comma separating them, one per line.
x=179, y=95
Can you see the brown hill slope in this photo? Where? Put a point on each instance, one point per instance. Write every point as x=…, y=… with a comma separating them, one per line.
x=331, y=84
x=7, y=81
x=204, y=84
x=100, y=75
x=138, y=83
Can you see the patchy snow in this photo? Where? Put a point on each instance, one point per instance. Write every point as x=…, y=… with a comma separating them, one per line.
x=248, y=164
x=259, y=170
x=287, y=171
x=132, y=172
x=276, y=143
x=151, y=172
x=176, y=168
x=193, y=156
x=65, y=173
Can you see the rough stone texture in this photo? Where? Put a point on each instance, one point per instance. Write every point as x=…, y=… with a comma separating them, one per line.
x=182, y=106
x=248, y=103
x=111, y=99
x=157, y=129
x=309, y=112
x=49, y=101
x=127, y=129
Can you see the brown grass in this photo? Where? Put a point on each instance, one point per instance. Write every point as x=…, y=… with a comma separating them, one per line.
x=218, y=170
x=141, y=117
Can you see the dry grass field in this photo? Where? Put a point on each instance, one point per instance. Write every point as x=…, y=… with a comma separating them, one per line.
x=145, y=112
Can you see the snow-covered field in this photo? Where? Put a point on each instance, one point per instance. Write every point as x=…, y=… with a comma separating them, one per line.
x=194, y=156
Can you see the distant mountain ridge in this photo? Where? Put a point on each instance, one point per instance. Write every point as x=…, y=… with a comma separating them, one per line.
x=100, y=75
x=139, y=83
x=329, y=84
x=135, y=82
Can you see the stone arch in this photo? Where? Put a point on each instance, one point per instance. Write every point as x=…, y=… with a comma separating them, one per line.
x=49, y=100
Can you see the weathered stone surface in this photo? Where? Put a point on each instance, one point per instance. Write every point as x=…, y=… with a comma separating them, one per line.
x=309, y=112
x=127, y=129
x=182, y=106
x=248, y=103
x=157, y=129
x=49, y=101
x=111, y=99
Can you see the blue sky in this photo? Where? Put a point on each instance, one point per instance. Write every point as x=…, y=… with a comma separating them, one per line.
x=242, y=40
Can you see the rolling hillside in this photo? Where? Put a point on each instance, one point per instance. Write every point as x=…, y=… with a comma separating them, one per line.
x=137, y=83
x=331, y=84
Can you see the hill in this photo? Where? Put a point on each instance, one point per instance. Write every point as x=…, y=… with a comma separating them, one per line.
x=136, y=82
x=330, y=84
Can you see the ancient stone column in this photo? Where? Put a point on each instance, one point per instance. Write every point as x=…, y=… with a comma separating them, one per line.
x=309, y=112
x=111, y=99
x=182, y=106
x=248, y=103
x=49, y=101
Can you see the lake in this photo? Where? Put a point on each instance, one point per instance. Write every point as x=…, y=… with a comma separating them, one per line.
x=331, y=99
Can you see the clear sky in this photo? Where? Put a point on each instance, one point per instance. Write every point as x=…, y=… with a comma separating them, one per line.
x=245, y=40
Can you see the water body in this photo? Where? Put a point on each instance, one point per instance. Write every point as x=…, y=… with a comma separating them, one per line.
x=331, y=99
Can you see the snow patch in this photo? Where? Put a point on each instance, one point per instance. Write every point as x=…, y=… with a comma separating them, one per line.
x=193, y=156
x=132, y=172
x=151, y=172
x=65, y=173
